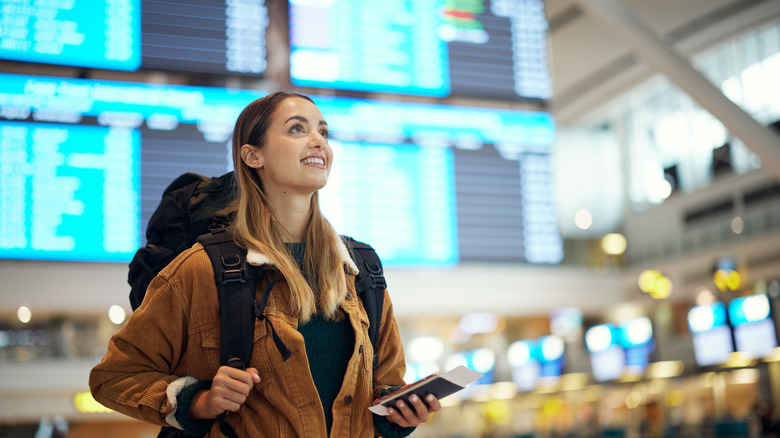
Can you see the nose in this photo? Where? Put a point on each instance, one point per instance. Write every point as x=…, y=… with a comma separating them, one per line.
x=315, y=140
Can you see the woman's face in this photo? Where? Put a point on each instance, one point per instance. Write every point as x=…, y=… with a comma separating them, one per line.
x=296, y=157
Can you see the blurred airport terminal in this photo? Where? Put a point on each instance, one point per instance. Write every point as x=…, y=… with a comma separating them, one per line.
x=579, y=199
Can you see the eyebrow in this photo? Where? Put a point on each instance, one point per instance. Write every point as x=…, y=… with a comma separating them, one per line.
x=305, y=120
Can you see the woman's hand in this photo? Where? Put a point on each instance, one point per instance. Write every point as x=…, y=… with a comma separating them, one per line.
x=415, y=412
x=228, y=392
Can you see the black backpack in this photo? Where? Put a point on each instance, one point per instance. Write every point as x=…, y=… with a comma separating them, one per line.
x=188, y=206
x=197, y=208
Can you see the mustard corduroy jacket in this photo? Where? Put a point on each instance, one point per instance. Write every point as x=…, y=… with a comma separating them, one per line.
x=172, y=340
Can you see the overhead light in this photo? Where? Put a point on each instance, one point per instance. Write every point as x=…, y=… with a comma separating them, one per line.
x=737, y=225
x=24, y=314
x=583, y=219
x=613, y=244
x=116, y=314
x=663, y=189
x=655, y=283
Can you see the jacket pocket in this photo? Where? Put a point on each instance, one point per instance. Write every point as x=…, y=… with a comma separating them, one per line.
x=203, y=351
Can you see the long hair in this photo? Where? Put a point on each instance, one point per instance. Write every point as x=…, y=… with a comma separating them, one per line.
x=322, y=284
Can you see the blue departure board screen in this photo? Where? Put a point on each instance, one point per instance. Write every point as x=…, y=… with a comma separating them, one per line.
x=408, y=192
x=85, y=162
x=486, y=48
x=204, y=36
x=329, y=42
x=99, y=33
x=69, y=192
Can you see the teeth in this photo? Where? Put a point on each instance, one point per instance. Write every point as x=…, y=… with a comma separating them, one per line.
x=313, y=160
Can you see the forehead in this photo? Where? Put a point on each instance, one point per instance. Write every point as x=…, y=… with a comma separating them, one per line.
x=296, y=106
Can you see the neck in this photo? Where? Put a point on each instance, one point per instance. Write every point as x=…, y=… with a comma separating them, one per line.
x=292, y=212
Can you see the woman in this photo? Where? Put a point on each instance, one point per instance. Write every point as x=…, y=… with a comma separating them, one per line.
x=163, y=365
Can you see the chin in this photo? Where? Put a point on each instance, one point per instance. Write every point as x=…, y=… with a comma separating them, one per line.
x=315, y=186
x=320, y=184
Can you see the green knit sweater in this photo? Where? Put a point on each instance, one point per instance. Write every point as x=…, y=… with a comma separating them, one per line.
x=329, y=346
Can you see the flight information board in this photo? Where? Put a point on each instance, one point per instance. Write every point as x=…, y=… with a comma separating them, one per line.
x=204, y=36
x=99, y=33
x=69, y=192
x=428, y=47
x=409, y=187
x=200, y=36
x=426, y=185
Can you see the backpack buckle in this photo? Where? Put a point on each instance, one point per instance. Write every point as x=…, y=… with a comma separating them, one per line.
x=378, y=280
x=375, y=274
x=232, y=272
x=232, y=276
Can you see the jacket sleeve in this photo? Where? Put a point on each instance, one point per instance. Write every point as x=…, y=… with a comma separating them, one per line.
x=135, y=376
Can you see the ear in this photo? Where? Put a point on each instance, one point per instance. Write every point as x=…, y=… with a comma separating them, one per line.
x=252, y=156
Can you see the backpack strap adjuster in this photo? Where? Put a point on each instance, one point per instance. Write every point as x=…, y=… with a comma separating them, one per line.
x=233, y=268
x=372, y=278
x=232, y=276
x=375, y=275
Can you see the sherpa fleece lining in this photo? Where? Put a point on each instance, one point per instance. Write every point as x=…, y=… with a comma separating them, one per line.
x=258, y=259
x=173, y=390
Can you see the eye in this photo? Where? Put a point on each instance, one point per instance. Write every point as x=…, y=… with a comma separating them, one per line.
x=297, y=128
x=325, y=133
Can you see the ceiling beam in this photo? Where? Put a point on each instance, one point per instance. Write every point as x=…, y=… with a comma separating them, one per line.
x=660, y=54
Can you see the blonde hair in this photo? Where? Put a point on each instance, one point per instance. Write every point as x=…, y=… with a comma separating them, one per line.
x=322, y=284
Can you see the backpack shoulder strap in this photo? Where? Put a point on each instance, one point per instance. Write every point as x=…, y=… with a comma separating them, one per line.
x=370, y=286
x=236, y=281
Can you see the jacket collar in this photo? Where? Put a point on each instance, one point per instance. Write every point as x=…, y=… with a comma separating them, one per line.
x=258, y=259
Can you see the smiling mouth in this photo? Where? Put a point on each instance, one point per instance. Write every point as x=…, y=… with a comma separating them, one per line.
x=313, y=160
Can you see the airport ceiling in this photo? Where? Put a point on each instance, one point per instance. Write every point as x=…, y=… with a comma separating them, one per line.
x=591, y=64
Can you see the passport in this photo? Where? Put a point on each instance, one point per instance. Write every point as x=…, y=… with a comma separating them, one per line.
x=439, y=384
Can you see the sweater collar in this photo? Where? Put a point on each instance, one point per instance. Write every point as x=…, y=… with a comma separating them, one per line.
x=258, y=259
